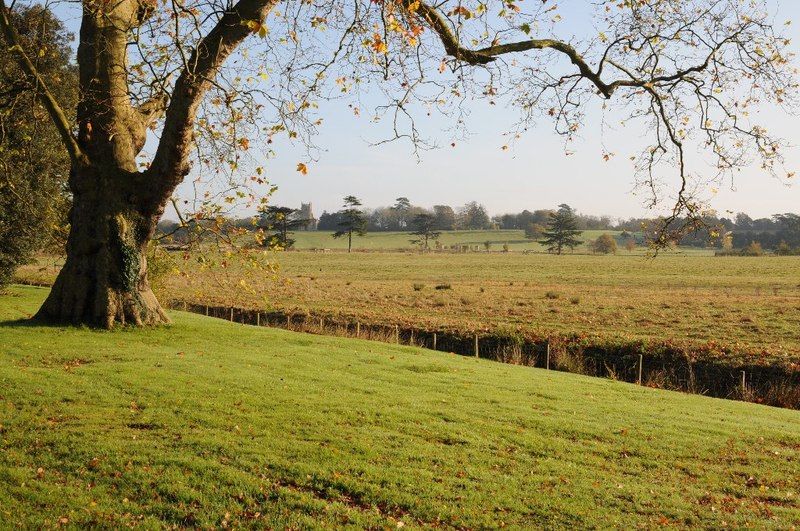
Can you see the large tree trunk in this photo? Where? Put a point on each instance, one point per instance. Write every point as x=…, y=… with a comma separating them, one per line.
x=116, y=205
x=104, y=280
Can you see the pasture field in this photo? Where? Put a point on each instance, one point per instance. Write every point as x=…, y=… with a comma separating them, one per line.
x=728, y=307
x=210, y=424
x=401, y=241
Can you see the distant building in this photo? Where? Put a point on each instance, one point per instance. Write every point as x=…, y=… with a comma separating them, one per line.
x=307, y=214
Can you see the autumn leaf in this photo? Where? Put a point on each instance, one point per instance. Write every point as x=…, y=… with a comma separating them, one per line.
x=378, y=45
x=302, y=168
x=256, y=27
x=461, y=10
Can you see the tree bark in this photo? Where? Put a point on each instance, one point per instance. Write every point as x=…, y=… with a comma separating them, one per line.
x=104, y=280
x=115, y=207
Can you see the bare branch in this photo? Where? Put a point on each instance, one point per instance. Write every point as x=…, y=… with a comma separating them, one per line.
x=170, y=163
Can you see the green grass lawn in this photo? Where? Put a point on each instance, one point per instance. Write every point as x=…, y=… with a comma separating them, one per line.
x=210, y=424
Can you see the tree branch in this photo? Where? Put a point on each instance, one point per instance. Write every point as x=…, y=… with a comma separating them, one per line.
x=153, y=109
x=43, y=92
x=170, y=163
x=486, y=55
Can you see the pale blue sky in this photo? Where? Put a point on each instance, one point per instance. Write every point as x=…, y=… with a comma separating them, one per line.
x=533, y=174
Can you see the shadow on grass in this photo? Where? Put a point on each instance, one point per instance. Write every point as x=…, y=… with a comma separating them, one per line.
x=32, y=321
x=28, y=322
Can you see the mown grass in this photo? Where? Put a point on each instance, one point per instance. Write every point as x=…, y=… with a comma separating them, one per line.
x=211, y=424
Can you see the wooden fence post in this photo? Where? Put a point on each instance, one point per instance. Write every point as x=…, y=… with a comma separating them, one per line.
x=639, y=381
x=206, y=310
x=231, y=313
x=397, y=334
x=258, y=318
x=744, y=383
x=548, y=356
x=358, y=328
x=434, y=341
x=476, y=346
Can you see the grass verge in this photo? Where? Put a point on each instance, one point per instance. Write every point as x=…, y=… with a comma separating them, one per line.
x=211, y=424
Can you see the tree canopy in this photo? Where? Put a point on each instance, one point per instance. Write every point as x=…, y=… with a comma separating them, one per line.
x=279, y=223
x=605, y=243
x=562, y=231
x=33, y=165
x=353, y=221
x=424, y=225
x=691, y=70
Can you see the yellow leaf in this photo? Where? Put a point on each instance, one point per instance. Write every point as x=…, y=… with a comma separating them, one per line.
x=302, y=168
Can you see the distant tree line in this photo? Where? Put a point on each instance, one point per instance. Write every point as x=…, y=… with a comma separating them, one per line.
x=399, y=217
x=779, y=233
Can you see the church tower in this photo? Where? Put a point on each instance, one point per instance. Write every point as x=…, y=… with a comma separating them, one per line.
x=307, y=214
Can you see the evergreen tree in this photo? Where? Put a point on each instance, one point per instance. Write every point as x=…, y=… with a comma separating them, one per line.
x=353, y=221
x=279, y=223
x=562, y=230
x=401, y=210
x=424, y=223
x=34, y=167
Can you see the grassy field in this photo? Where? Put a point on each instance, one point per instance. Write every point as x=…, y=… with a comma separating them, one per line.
x=731, y=307
x=211, y=424
x=515, y=239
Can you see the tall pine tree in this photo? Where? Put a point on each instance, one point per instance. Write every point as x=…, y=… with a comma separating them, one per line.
x=353, y=221
x=562, y=230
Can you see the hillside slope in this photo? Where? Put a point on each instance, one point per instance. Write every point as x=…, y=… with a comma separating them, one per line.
x=207, y=423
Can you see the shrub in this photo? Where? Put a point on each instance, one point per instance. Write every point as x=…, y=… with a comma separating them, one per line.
x=418, y=287
x=534, y=231
x=605, y=244
x=443, y=286
x=783, y=249
x=754, y=249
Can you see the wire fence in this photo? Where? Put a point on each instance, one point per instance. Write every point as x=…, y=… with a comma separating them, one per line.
x=660, y=366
